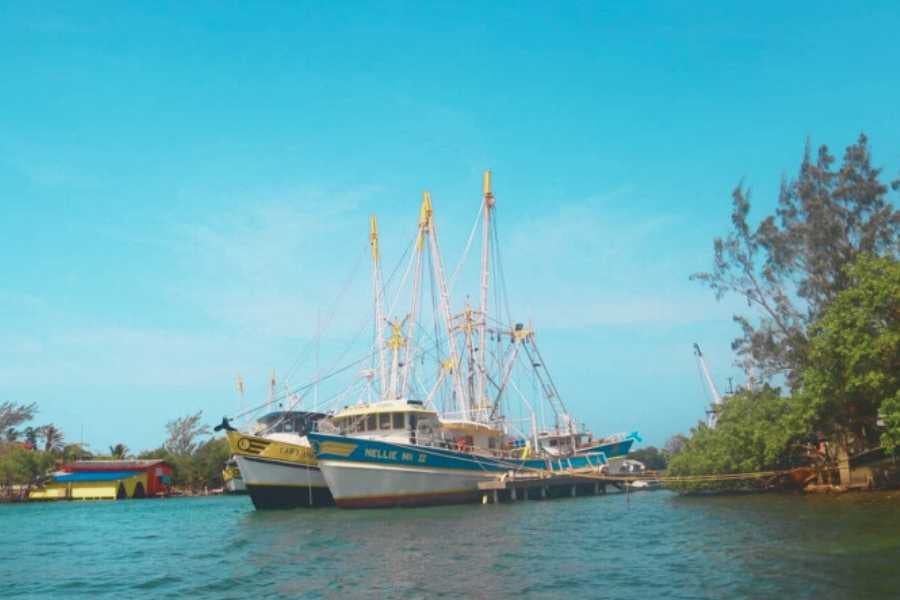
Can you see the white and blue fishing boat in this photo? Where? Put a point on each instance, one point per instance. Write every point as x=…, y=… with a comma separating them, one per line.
x=424, y=443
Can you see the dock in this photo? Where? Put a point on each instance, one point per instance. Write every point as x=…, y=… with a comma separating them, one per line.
x=511, y=487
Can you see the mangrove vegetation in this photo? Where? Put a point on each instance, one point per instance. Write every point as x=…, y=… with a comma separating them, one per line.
x=821, y=339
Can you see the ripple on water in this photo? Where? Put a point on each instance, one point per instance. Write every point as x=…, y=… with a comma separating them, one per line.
x=652, y=544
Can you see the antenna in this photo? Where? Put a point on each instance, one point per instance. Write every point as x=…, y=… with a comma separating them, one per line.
x=239, y=381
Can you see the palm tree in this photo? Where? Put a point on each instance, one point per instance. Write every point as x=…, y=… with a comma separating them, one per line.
x=53, y=438
x=31, y=435
x=73, y=452
x=119, y=451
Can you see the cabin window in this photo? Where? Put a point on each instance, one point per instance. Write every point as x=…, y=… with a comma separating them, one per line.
x=370, y=423
x=492, y=443
x=361, y=425
x=384, y=421
x=553, y=443
x=398, y=420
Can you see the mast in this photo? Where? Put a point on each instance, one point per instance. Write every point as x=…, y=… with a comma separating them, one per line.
x=272, y=385
x=318, y=343
x=717, y=398
x=395, y=343
x=379, y=310
x=488, y=206
x=451, y=363
x=424, y=216
x=240, y=389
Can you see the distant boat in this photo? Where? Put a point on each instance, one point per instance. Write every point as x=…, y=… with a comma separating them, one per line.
x=231, y=476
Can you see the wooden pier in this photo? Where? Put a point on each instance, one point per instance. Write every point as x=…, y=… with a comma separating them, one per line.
x=542, y=486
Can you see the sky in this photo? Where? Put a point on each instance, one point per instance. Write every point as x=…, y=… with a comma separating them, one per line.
x=185, y=187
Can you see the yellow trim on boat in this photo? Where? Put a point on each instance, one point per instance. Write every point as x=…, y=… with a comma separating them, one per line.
x=337, y=448
x=250, y=445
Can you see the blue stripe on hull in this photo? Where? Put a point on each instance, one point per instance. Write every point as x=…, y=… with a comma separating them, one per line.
x=409, y=455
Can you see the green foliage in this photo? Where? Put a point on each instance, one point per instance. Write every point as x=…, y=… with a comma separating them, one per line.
x=854, y=352
x=12, y=415
x=119, y=451
x=73, y=452
x=651, y=457
x=890, y=413
x=208, y=461
x=21, y=469
x=183, y=434
x=755, y=431
x=792, y=265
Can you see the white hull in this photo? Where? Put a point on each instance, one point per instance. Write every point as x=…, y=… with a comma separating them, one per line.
x=261, y=472
x=274, y=484
x=359, y=485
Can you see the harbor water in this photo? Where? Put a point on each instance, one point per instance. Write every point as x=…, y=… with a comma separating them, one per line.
x=647, y=545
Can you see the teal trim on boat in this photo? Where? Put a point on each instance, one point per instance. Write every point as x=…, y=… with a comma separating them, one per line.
x=351, y=449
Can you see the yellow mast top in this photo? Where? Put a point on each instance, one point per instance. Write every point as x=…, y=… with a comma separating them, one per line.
x=424, y=219
x=373, y=236
x=486, y=188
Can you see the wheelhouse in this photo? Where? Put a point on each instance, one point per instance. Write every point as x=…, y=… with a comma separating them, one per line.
x=288, y=422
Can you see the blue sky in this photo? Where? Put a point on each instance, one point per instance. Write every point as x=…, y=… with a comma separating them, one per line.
x=185, y=187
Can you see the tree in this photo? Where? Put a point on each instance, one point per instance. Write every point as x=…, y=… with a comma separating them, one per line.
x=119, y=451
x=208, y=461
x=53, y=438
x=183, y=433
x=792, y=265
x=12, y=415
x=651, y=457
x=22, y=469
x=854, y=359
x=674, y=445
x=73, y=452
x=755, y=431
x=31, y=436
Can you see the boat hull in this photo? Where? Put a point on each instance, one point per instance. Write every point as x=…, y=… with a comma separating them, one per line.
x=272, y=484
x=611, y=450
x=375, y=474
x=278, y=474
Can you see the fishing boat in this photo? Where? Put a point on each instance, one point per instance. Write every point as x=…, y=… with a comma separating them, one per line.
x=277, y=465
x=563, y=442
x=401, y=450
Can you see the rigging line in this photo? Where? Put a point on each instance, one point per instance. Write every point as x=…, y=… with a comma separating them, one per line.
x=300, y=389
x=495, y=230
x=412, y=261
x=291, y=371
x=435, y=319
x=465, y=254
x=363, y=327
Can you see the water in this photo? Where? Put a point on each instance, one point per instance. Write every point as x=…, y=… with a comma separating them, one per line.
x=648, y=545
